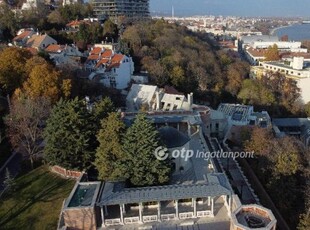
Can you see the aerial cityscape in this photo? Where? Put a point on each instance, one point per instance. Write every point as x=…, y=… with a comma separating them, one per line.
x=155, y=114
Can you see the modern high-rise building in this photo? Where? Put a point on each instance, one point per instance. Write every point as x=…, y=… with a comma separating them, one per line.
x=113, y=9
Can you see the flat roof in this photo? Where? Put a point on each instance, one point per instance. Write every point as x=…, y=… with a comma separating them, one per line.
x=113, y=195
x=291, y=122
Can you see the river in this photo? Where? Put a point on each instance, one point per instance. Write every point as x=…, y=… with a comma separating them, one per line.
x=296, y=32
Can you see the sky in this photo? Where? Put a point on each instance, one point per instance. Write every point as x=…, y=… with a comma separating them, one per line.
x=276, y=8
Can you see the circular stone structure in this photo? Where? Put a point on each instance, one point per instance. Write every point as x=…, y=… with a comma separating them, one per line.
x=252, y=216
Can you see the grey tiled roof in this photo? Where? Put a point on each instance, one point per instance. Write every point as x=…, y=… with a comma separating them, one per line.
x=112, y=196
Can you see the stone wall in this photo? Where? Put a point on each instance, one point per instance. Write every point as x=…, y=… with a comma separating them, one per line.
x=66, y=173
x=80, y=218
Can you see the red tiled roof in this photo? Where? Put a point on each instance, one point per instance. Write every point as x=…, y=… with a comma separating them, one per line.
x=107, y=54
x=117, y=58
x=96, y=50
x=113, y=65
x=256, y=52
x=54, y=48
x=102, y=61
x=34, y=51
x=23, y=35
x=76, y=23
x=93, y=57
x=289, y=55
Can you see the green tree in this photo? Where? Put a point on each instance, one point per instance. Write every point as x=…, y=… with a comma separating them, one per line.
x=141, y=140
x=69, y=135
x=12, y=68
x=102, y=109
x=8, y=21
x=110, y=30
x=109, y=154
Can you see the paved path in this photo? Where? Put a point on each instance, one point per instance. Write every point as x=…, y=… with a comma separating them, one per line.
x=238, y=180
x=281, y=223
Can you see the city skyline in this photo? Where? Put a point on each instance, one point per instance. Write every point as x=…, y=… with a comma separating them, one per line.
x=276, y=8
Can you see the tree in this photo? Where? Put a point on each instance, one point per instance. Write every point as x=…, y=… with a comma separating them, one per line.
x=102, y=109
x=307, y=109
x=69, y=135
x=45, y=81
x=260, y=142
x=253, y=91
x=140, y=141
x=55, y=17
x=8, y=21
x=12, y=68
x=236, y=73
x=304, y=219
x=286, y=156
x=304, y=222
x=109, y=154
x=9, y=182
x=25, y=125
x=272, y=53
x=110, y=30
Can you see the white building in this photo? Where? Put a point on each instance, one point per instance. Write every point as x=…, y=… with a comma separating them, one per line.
x=111, y=69
x=166, y=99
x=282, y=45
x=39, y=41
x=30, y=4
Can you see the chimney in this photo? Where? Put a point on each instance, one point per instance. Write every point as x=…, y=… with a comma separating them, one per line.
x=157, y=101
x=190, y=100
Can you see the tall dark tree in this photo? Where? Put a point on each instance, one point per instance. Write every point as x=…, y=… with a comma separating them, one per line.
x=69, y=135
x=109, y=154
x=140, y=142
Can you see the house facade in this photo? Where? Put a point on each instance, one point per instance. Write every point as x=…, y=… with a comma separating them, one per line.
x=109, y=68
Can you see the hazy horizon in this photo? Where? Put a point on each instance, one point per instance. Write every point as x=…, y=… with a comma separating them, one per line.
x=254, y=8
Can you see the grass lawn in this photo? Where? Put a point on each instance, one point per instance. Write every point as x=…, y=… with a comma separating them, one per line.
x=36, y=201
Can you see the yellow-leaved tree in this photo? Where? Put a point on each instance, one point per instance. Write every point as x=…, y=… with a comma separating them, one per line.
x=46, y=81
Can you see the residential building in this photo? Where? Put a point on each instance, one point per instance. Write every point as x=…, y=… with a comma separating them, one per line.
x=134, y=9
x=199, y=193
x=23, y=36
x=30, y=4
x=65, y=55
x=40, y=41
x=166, y=99
x=69, y=2
x=295, y=69
x=141, y=95
x=109, y=68
x=298, y=127
x=238, y=115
